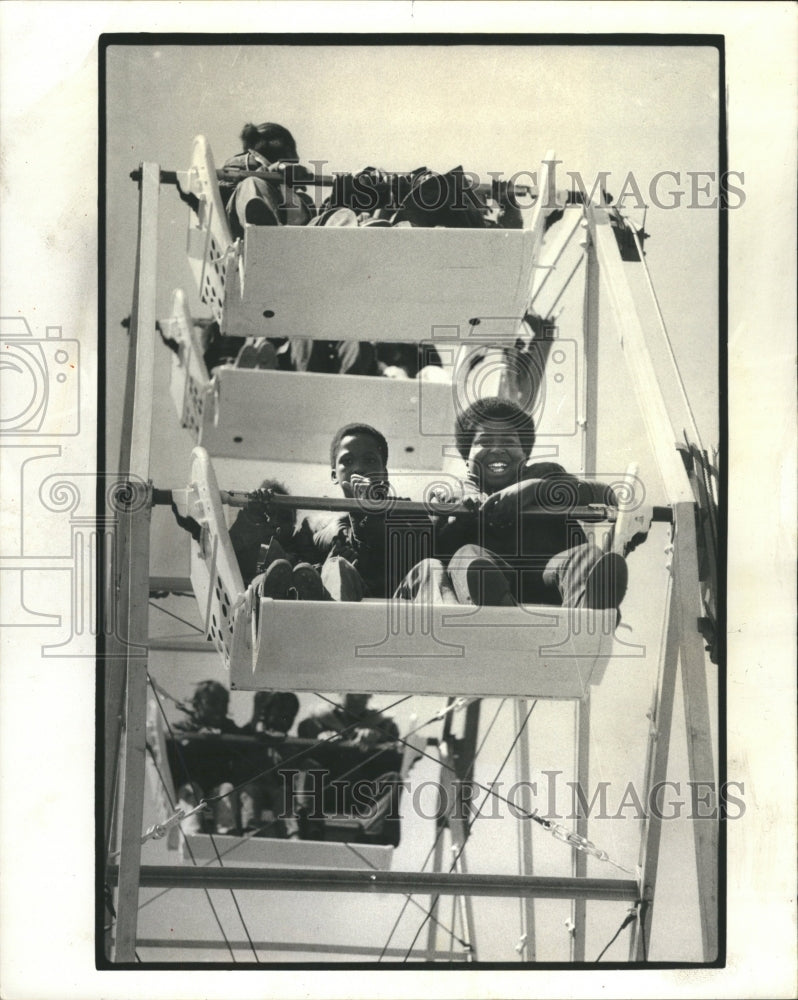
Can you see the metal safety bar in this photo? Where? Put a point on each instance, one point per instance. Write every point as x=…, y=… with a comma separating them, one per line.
x=297, y=177
x=240, y=498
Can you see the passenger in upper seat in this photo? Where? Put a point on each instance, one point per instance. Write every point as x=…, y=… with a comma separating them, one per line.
x=446, y=200
x=267, y=147
x=499, y=557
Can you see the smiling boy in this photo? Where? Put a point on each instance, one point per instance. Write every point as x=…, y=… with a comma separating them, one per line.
x=357, y=544
x=501, y=554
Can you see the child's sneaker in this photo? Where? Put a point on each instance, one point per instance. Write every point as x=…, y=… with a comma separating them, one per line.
x=276, y=580
x=487, y=585
x=307, y=584
x=606, y=584
x=258, y=213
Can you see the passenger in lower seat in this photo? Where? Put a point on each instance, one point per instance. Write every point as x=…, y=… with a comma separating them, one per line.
x=263, y=800
x=499, y=557
x=352, y=721
x=208, y=714
x=273, y=713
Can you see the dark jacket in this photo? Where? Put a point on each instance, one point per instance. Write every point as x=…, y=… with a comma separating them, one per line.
x=528, y=545
x=248, y=533
x=382, y=547
x=339, y=720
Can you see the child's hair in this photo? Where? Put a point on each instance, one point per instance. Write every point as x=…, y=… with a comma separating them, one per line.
x=493, y=413
x=284, y=701
x=275, y=486
x=348, y=429
x=272, y=140
x=209, y=695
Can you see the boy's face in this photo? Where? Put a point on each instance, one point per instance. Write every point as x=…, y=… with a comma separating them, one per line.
x=496, y=458
x=280, y=718
x=358, y=454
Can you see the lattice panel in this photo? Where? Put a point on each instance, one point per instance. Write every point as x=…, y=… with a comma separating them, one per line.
x=220, y=628
x=212, y=290
x=209, y=238
x=189, y=376
x=215, y=575
x=192, y=411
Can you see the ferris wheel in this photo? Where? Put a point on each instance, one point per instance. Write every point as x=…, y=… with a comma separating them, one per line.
x=478, y=705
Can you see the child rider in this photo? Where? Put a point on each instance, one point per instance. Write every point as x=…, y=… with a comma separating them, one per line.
x=497, y=556
x=357, y=545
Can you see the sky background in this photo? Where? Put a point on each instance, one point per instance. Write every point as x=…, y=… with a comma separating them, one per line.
x=490, y=108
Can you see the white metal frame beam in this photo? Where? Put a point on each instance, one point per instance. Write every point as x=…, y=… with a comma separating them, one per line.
x=683, y=607
x=365, y=880
x=134, y=569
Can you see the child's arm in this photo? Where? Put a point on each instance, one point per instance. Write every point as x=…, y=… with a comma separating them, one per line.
x=369, y=526
x=378, y=729
x=303, y=545
x=548, y=486
x=248, y=532
x=331, y=536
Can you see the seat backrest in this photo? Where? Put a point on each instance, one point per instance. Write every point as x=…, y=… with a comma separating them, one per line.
x=383, y=284
x=188, y=381
x=254, y=414
x=537, y=651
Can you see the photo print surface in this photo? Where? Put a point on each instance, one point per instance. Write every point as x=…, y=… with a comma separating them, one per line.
x=560, y=252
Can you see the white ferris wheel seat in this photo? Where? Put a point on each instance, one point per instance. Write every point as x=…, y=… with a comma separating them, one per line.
x=384, y=646
x=355, y=283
